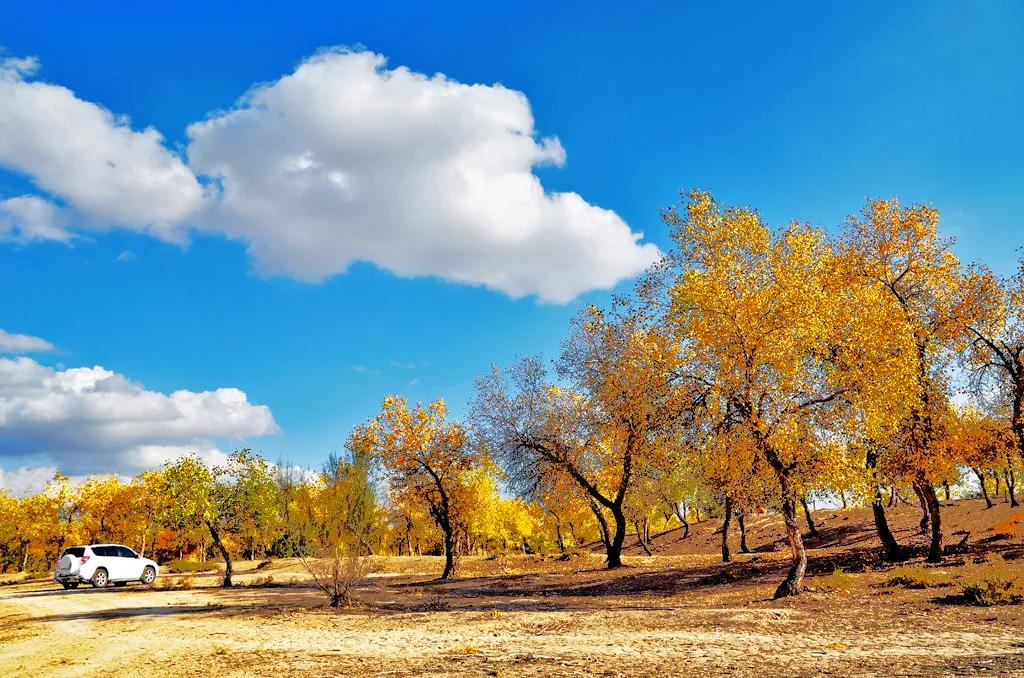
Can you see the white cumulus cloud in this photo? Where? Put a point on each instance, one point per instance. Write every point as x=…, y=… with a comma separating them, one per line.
x=22, y=343
x=90, y=419
x=111, y=174
x=28, y=217
x=343, y=160
x=346, y=160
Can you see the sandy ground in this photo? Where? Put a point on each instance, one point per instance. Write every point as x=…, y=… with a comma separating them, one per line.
x=667, y=615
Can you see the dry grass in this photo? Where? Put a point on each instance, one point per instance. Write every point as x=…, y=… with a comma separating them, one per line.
x=994, y=582
x=919, y=577
x=680, y=611
x=190, y=566
x=838, y=581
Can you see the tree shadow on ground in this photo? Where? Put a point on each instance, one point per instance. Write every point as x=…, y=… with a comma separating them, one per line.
x=657, y=582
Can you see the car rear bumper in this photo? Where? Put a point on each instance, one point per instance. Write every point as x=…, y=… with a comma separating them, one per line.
x=67, y=579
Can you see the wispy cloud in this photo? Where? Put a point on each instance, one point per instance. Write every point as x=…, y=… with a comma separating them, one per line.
x=22, y=343
x=399, y=365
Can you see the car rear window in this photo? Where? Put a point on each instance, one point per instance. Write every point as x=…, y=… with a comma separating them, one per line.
x=76, y=551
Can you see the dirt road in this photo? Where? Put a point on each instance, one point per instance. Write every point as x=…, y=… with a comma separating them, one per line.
x=521, y=624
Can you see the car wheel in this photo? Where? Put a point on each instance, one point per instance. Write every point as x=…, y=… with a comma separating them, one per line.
x=148, y=575
x=100, y=578
x=68, y=585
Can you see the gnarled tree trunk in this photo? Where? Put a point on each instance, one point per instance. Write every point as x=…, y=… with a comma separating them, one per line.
x=640, y=538
x=925, y=512
x=602, y=525
x=893, y=551
x=449, y=548
x=934, y=517
x=984, y=490
x=741, y=518
x=215, y=537
x=793, y=583
x=618, y=537
x=726, y=556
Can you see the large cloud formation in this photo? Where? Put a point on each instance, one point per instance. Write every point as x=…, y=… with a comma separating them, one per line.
x=343, y=160
x=81, y=419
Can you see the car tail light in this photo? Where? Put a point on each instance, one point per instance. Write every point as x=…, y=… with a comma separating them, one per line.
x=83, y=560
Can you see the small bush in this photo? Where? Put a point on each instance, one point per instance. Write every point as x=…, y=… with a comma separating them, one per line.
x=917, y=578
x=338, y=572
x=263, y=565
x=838, y=581
x=994, y=582
x=190, y=566
x=185, y=582
x=261, y=582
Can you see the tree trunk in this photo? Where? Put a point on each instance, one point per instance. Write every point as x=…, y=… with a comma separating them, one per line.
x=449, y=549
x=1011, y=488
x=726, y=556
x=615, y=547
x=842, y=498
x=892, y=496
x=1017, y=418
x=923, y=525
x=793, y=583
x=890, y=547
x=893, y=551
x=995, y=478
x=558, y=534
x=984, y=490
x=741, y=518
x=602, y=525
x=812, y=529
x=681, y=514
x=935, y=517
x=572, y=531
x=640, y=537
x=945, y=486
x=215, y=537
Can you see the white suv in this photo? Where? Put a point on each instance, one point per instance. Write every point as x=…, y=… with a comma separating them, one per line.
x=100, y=564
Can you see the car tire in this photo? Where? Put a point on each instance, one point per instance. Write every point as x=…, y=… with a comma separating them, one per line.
x=69, y=585
x=148, y=576
x=100, y=578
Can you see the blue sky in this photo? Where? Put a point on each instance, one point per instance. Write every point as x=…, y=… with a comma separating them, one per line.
x=801, y=111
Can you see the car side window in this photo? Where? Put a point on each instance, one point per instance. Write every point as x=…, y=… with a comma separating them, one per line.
x=126, y=552
x=106, y=551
